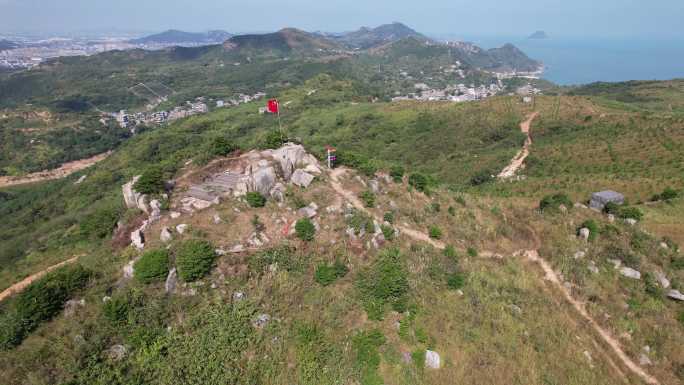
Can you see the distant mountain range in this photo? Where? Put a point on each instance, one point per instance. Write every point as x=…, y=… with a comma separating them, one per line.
x=6, y=44
x=285, y=40
x=366, y=38
x=174, y=36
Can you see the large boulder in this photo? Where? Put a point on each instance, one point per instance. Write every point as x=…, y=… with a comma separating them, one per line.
x=676, y=295
x=171, y=281
x=263, y=179
x=138, y=239
x=291, y=157
x=134, y=199
x=301, y=178
x=630, y=273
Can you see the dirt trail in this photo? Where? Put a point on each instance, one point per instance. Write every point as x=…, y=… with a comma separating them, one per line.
x=63, y=171
x=21, y=285
x=532, y=256
x=551, y=276
x=519, y=159
x=356, y=202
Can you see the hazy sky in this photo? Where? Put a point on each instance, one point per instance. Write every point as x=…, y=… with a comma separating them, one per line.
x=639, y=18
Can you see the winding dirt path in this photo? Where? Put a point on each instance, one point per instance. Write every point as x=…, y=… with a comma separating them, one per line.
x=63, y=171
x=519, y=159
x=21, y=285
x=531, y=255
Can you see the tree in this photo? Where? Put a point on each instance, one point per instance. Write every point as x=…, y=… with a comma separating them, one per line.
x=194, y=259
x=150, y=182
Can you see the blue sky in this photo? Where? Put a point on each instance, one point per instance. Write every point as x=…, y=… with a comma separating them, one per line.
x=598, y=18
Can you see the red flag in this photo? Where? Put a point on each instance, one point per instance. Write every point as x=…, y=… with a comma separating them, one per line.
x=273, y=106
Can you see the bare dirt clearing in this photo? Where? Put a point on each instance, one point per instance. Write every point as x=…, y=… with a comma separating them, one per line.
x=65, y=170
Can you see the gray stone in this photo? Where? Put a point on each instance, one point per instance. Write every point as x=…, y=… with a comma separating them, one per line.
x=72, y=305
x=662, y=279
x=616, y=263
x=261, y=320
x=106, y=299
x=171, y=281
x=166, y=235
x=584, y=234
x=600, y=199
x=129, y=194
x=128, y=270
x=301, y=178
x=611, y=218
x=580, y=206
x=644, y=360
x=313, y=169
x=263, y=180
x=631, y=221
x=117, y=352
x=592, y=267
x=374, y=186
x=676, y=295
x=182, y=228
x=580, y=254
x=138, y=239
x=217, y=219
x=308, y=211
x=630, y=273
x=174, y=214
x=238, y=296
x=432, y=360
x=278, y=192
x=237, y=249
x=291, y=156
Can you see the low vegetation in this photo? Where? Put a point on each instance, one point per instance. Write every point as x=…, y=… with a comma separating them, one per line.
x=152, y=266
x=305, y=230
x=194, y=259
x=384, y=284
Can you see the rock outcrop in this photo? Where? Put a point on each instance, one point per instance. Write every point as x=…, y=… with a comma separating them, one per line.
x=432, y=360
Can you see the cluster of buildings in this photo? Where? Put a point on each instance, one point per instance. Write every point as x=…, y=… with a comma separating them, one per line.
x=190, y=108
x=454, y=93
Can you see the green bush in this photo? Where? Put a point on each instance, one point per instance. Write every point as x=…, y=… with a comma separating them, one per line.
x=456, y=281
x=255, y=199
x=40, y=302
x=592, y=226
x=101, y=223
x=630, y=213
x=273, y=139
x=397, y=173
x=221, y=146
x=472, y=252
x=435, y=232
x=652, y=286
x=450, y=252
x=194, y=259
x=116, y=309
x=359, y=220
x=667, y=195
x=327, y=274
x=387, y=232
x=388, y=217
x=366, y=347
x=152, y=266
x=481, y=178
x=553, y=202
x=151, y=181
x=418, y=181
x=435, y=207
x=305, y=230
x=368, y=199
x=385, y=282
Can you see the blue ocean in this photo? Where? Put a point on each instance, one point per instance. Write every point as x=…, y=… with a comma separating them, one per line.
x=571, y=61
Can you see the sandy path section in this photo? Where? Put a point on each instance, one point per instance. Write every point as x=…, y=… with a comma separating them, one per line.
x=63, y=171
x=519, y=159
x=20, y=286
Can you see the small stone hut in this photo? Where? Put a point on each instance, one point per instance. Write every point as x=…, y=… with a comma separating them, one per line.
x=599, y=200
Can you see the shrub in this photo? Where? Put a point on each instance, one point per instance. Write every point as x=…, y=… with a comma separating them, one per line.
x=435, y=207
x=450, y=252
x=388, y=217
x=150, y=182
x=681, y=317
x=554, y=202
x=40, y=302
x=397, y=173
x=456, y=281
x=101, y=223
x=255, y=199
x=630, y=213
x=452, y=211
x=652, y=287
x=221, y=146
x=667, y=194
x=481, y=178
x=273, y=139
x=435, y=232
x=384, y=283
x=360, y=221
x=366, y=347
x=326, y=274
x=116, y=309
x=472, y=252
x=592, y=226
x=611, y=208
x=418, y=181
x=368, y=199
x=387, y=232
x=194, y=259
x=305, y=229
x=152, y=266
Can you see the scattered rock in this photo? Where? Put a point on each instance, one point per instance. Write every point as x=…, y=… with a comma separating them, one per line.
x=313, y=169
x=580, y=254
x=217, y=219
x=182, y=228
x=616, y=263
x=664, y=245
x=662, y=279
x=308, y=211
x=432, y=360
x=374, y=186
x=132, y=198
x=166, y=235
x=584, y=234
x=611, y=218
x=237, y=249
x=593, y=268
x=278, y=192
x=117, y=352
x=301, y=178
x=263, y=180
x=238, y=296
x=128, y=270
x=631, y=221
x=630, y=273
x=580, y=206
x=72, y=305
x=515, y=309
x=138, y=239
x=174, y=214
x=80, y=180
x=261, y=320
x=676, y=295
x=106, y=299
x=459, y=292
x=219, y=251
x=644, y=360
x=171, y=281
